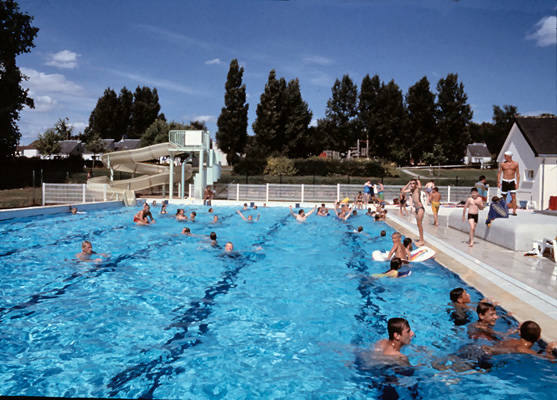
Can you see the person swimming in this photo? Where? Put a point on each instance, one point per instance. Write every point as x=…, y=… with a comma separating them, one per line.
x=180, y=215
x=393, y=271
x=460, y=301
x=249, y=218
x=388, y=350
x=87, y=252
x=302, y=216
x=143, y=216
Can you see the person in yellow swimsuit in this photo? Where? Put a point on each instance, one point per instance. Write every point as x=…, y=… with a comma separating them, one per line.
x=435, y=199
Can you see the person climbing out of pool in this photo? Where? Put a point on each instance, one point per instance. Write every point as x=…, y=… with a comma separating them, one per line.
x=398, y=249
x=400, y=335
x=473, y=204
x=435, y=200
x=483, y=328
x=302, y=216
x=180, y=215
x=460, y=302
x=393, y=271
x=415, y=187
x=87, y=252
x=530, y=332
x=249, y=218
x=143, y=216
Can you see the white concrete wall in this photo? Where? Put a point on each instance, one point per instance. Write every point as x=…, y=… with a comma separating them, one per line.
x=45, y=210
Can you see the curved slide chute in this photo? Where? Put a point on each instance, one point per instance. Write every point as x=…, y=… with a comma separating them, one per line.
x=132, y=161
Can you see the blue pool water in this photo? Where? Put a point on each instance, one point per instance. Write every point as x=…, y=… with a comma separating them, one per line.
x=168, y=316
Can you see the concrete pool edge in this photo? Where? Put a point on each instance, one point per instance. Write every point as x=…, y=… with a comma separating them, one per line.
x=522, y=301
x=10, y=213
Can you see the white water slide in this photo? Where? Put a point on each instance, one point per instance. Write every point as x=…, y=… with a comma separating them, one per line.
x=132, y=161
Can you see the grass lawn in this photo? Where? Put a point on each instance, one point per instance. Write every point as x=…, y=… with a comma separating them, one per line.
x=456, y=176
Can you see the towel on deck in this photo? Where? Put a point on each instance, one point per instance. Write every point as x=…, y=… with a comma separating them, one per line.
x=497, y=209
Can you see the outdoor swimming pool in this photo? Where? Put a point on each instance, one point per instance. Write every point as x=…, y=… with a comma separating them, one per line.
x=168, y=316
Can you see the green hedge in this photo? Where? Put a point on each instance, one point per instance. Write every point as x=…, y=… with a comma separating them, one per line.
x=18, y=172
x=317, y=166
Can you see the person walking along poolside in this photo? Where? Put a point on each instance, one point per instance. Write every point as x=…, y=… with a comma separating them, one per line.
x=510, y=181
x=415, y=187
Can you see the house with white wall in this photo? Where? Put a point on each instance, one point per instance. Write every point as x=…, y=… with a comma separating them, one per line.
x=477, y=153
x=533, y=142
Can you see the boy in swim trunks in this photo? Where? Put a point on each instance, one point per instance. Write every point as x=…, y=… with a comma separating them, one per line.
x=400, y=335
x=141, y=218
x=398, y=249
x=435, y=200
x=473, y=204
x=510, y=181
x=530, y=333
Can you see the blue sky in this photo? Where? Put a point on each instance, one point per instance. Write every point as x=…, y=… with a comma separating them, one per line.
x=503, y=51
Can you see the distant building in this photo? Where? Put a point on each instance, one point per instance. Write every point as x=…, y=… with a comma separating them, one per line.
x=28, y=151
x=127, y=144
x=477, y=153
x=70, y=148
x=108, y=147
x=533, y=142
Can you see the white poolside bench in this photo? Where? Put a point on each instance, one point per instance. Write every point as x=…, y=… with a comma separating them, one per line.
x=542, y=245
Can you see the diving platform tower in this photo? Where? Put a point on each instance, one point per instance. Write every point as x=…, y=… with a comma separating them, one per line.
x=198, y=141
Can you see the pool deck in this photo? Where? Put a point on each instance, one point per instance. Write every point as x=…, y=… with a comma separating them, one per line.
x=525, y=286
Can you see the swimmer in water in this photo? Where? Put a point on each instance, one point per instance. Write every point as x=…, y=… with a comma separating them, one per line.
x=322, y=211
x=483, y=328
x=407, y=243
x=213, y=237
x=393, y=271
x=215, y=219
x=186, y=231
x=530, y=333
x=73, y=210
x=302, y=216
x=163, y=209
x=460, y=301
x=249, y=218
x=388, y=350
x=180, y=215
x=228, y=247
x=193, y=214
x=210, y=210
x=87, y=252
x=142, y=217
x=383, y=233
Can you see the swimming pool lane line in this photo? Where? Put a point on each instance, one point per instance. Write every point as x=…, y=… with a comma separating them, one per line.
x=198, y=312
x=99, y=269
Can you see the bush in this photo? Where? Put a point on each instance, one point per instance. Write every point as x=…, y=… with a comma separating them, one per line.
x=250, y=166
x=277, y=166
x=323, y=167
x=18, y=172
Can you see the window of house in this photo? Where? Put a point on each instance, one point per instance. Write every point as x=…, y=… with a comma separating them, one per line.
x=529, y=174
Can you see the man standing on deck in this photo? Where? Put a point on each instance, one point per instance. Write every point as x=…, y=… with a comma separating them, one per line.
x=511, y=179
x=415, y=187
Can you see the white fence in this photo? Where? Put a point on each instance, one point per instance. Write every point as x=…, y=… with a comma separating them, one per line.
x=321, y=193
x=64, y=193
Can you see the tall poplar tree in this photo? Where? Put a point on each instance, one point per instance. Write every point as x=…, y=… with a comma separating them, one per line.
x=420, y=102
x=342, y=108
x=369, y=109
x=125, y=105
x=232, y=124
x=269, y=124
x=453, y=117
x=102, y=120
x=391, y=132
x=145, y=110
x=16, y=37
x=297, y=117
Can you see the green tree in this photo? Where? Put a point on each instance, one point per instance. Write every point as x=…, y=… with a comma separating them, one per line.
x=296, y=117
x=232, y=123
x=369, y=109
x=145, y=110
x=157, y=132
x=391, y=132
x=420, y=102
x=123, y=121
x=16, y=37
x=268, y=126
x=453, y=117
x=342, y=108
x=96, y=146
x=503, y=119
x=104, y=117
x=49, y=142
x=64, y=128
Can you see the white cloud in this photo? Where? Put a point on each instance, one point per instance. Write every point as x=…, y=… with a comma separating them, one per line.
x=214, y=61
x=43, y=103
x=535, y=113
x=321, y=79
x=159, y=83
x=546, y=32
x=78, y=126
x=176, y=37
x=313, y=122
x=42, y=83
x=319, y=60
x=63, y=59
x=205, y=118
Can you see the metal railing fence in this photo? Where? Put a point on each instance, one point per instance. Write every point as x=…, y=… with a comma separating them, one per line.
x=69, y=193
